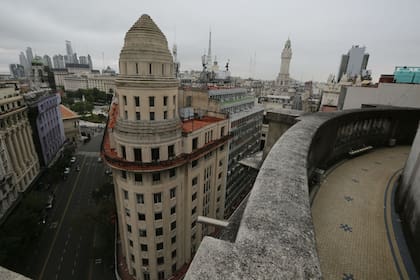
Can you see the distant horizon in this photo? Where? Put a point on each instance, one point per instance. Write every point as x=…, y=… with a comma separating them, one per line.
x=320, y=32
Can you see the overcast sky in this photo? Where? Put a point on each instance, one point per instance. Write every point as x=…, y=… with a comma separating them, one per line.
x=320, y=32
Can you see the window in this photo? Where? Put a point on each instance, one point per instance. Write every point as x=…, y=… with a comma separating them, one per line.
x=137, y=154
x=141, y=216
x=220, y=175
x=171, y=151
x=138, y=177
x=128, y=228
x=218, y=198
x=125, y=117
x=131, y=243
x=173, y=239
x=172, y=192
x=137, y=68
x=156, y=177
x=143, y=247
x=158, y=216
x=151, y=101
x=125, y=99
x=172, y=172
x=189, y=101
x=150, y=68
x=160, y=260
x=222, y=131
x=152, y=116
x=127, y=212
x=140, y=198
x=193, y=210
x=137, y=100
x=194, y=196
x=220, y=162
x=155, y=153
x=159, y=246
x=163, y=69
x=123, y=153
x=174, y=99
x=194, y=163
x=145, y=261
x=146, y=275
x=165, y=101
x=157, y=197
x=133, y=259
x=124, y=174
x=165, y=115
x=173, y=210
x=159, y=231
x=222, y=148
x=161, y=274
x=195, y=143
x=219, y=187
x=173, y=225
x=194, y=181
x=138, y=116
x=174, y=268
x=125, y=194
x=173, y=254
x=142, y=233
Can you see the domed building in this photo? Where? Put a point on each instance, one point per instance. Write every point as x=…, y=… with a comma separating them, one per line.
x=166, y=170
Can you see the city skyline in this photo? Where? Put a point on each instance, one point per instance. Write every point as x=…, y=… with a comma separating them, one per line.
x=320, y=33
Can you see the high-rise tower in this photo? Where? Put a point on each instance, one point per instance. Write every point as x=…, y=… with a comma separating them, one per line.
x=286, y=56
x=69, y=51
x=166, y=170
x=353, y=63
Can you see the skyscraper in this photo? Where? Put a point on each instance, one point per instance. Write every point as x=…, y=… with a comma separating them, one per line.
x=29, y=55
x=69, y=52
x=90, y=61
x=47, y=61
x=17, y=71
x=286, y=56
x=58, y=61
x=166, y=171
x=353, y=63
x=24, y=62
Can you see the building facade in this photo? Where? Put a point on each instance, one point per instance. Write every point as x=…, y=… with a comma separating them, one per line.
x=353, y=63
x=70, y=124
x=245, y=125
x=19, y=164
x=166, y=171
x=45, y=117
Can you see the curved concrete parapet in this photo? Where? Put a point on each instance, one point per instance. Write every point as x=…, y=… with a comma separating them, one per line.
x=408, y=198
x=276, y=239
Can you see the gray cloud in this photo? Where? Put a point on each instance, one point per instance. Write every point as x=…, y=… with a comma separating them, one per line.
x=320, y=31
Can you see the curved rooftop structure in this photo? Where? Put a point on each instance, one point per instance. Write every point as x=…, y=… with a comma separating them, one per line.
x=276, y=236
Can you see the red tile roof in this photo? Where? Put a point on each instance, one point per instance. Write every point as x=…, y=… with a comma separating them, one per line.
x=66, y=113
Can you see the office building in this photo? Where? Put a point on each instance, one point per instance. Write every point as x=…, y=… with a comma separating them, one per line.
x=353, y=63
x=166, y=171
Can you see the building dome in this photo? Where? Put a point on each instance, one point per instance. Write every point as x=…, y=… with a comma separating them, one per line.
x=144, y=43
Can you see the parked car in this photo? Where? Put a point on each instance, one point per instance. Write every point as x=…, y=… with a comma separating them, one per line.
x=73, y=160
x=66, y=171
x=99, y=159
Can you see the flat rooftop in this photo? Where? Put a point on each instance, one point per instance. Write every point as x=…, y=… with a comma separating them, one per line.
x=195, y=124
x=351, y=212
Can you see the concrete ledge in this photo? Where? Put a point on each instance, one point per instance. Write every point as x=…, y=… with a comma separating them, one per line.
x=276, y=239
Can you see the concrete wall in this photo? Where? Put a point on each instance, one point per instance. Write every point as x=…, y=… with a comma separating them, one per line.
x=401, y=95
x=408, y=195
x=276, y=238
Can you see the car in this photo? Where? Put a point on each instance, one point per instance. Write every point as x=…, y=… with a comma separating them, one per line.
x=108, y=172
x=77, y=168
x=50, y=202
x=73, y=160
x=99, y=159
x=66, y=171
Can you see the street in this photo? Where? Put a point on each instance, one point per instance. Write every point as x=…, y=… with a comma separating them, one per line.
x=65, y=250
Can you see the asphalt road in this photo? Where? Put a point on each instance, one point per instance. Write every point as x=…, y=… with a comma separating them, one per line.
x=65, y=250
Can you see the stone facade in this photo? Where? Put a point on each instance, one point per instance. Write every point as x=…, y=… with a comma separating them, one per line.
x=166, y=171
x=19, y=164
